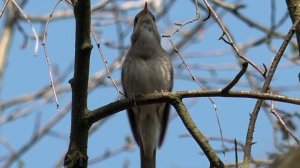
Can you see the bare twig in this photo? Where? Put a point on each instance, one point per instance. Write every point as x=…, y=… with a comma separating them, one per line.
x=3, y=7
x=6, y=143
x=237, y=78
x=30, y=24
x=46, y=54
x=191, y=74
x=24, y=110
x=181, y=25
x=108, y=74
x=236, y=154
x=229, y=38
x=282, y=124
x=51, y=77
x=235, y=11
x=202, y=87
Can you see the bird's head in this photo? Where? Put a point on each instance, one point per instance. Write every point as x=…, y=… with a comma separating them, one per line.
x=144, y=26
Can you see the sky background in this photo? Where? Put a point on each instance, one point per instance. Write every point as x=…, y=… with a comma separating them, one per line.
x=26, y=73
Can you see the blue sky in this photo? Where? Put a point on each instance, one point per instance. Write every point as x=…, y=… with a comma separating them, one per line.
x=27, y=73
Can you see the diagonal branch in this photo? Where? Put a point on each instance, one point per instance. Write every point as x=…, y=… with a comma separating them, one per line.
x=265, y=88
x=294, y=11
x=229, y=40
x=197, y=135
x=237, y=78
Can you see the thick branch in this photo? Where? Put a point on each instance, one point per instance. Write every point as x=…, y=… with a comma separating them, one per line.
x=174, y=98
x=120, y=105
x=265, y=88
x=294, y=11
x=197, y=135
x=77, y=153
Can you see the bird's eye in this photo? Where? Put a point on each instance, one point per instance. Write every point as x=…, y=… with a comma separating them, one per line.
x=135, y=20
x=153, y=17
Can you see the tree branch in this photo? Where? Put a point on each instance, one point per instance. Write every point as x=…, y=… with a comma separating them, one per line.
x=197, y=135
x=237, y=78
x=77, y=153
x=167, y=97
x=174, y=98
x=294, y=11
x=265, y=88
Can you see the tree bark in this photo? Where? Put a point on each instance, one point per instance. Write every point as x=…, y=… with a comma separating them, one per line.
x=77, y=152
x=294, y=11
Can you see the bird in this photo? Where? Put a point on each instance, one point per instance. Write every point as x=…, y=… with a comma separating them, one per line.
x=147, y=68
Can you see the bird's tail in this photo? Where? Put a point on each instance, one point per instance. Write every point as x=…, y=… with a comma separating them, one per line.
x=148, y=161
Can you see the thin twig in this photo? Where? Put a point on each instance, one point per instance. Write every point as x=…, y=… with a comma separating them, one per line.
x=30, y=24
x=24, y=110
x=23, y=32
x=282, y=124
x=229, y=38
x=3, y=8
x=40, y=93
x=108, y=74
x=252, y=23
x=51, y=77
x=236, y=154
x=7, y=145
x=237, y=78
x=181, y=25
x=48, y=20
x=46, y=54
x=212, y=138
x=191, y=74
x=202, y=87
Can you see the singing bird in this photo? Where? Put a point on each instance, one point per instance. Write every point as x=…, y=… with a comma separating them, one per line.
x=146, y=69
